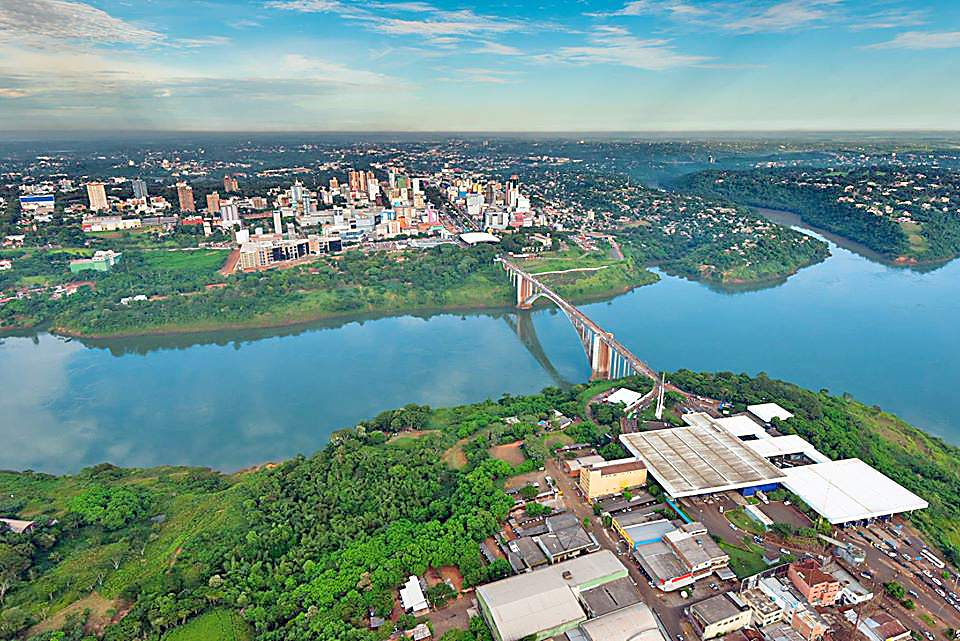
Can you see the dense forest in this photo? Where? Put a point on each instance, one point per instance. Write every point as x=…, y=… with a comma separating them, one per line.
x=846, y=203
x=842, y=428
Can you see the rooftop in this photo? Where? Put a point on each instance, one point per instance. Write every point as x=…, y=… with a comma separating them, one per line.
x=625, y=396
x=766, y=412
x=850, y=490
x=742, y=425
x=785, y=445
x=543, y=599
x=633, y=623
x=610, y=597
x=717, y=608
x=700, y=459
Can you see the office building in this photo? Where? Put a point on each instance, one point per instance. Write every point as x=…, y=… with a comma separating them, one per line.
x=185, y=197
x=97, y=197
x=139, y=189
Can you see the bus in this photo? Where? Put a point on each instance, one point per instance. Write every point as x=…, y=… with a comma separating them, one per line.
x=929, y=557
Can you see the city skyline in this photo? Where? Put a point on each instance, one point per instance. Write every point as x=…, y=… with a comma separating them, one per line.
x=330, y=65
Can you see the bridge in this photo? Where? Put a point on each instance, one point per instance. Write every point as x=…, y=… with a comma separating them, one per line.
x=607, y=357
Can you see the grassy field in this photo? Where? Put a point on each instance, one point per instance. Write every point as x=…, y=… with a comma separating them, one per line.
x=570, y=259
x=739, y=518
x=195, y=260
x=745, y=560
x=918, y=244
x=217, y=625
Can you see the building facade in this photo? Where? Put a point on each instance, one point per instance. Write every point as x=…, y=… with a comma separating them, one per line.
x=611, y=477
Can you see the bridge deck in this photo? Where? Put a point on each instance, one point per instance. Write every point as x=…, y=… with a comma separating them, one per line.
x=573, y=313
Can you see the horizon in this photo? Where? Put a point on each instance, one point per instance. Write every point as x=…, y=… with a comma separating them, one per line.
x=597, y=66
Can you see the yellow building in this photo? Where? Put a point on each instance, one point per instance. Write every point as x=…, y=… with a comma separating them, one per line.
x=719, y=615
x=611, y=477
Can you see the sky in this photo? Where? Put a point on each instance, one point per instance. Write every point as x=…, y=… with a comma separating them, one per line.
x=435, y=65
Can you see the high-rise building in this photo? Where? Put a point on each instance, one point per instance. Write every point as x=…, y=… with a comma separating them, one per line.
x=185, y=196
x=230, y=184
x=296, y=192
x=213, y=202
x=97, y=196
x=229, y=214
x=139, y=188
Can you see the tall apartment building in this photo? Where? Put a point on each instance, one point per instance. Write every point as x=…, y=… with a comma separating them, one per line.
x=213, y=202
x=97, y=197
x=230, y=184
x=139, y=189
x=185, y=196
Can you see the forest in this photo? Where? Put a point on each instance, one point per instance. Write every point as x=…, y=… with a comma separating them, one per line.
x=826, y=200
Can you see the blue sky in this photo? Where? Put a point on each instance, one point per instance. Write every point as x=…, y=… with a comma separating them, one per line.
x=434, y=65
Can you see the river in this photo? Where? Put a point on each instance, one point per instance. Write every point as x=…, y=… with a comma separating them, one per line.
x=227, y=400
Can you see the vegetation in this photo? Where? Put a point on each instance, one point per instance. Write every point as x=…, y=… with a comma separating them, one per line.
x=829, y=200
x=185, y=292
x=843, y=428
x=309, y=548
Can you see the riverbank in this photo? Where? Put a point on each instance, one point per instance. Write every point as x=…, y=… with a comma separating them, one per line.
x=578, y=287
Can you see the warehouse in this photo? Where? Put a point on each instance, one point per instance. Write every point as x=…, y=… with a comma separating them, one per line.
x=850, y=490
x=701, y=459
x=544, y=603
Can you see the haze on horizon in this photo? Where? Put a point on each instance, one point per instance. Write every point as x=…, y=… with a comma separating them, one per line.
x=412, y=65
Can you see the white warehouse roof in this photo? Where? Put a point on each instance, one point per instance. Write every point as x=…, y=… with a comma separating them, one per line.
x=474, y=237
x=625, y=396
x=766, y=412
x=742, y=425
x=850, y=490
x=784, y=445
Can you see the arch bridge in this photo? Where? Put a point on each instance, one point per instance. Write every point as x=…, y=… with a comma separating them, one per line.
x=607, y=357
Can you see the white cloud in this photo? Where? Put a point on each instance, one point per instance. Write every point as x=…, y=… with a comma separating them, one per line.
x=209, y=41
x=784, y=16
x=673, y=8
x=498, y=49
x=32, y=20
x=614, y=45
x=434, y=24
x=7, y=92
x=921, y=40
x=890, y=19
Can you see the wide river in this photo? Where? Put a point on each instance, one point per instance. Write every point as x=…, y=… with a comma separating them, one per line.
x=890, y=337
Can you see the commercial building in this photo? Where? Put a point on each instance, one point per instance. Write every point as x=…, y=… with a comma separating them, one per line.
x=101, y=261
x=808, y=624
x=672, y=556
x=626, y=397
x=185, y=197
x=719, y=615
x=852, y=592
x=633, y=623
x=544, y=603
x=109, y=223
x=611, y=477
x=97, y=197
x=850, y=490
x=815, y=585
x=573, y=466
x=701, y=459
x=758, y=516
x=609, y=597
x=39, y=204
x=262, y=251
x=765, y=610
x=766, y=412
x=880, y=627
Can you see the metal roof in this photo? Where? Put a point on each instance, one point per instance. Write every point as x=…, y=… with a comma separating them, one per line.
x=766, y=412
x=850, y=490
x=700, y=459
